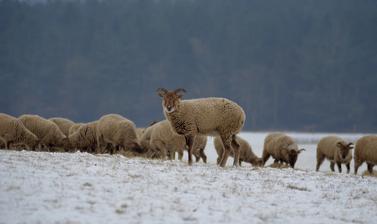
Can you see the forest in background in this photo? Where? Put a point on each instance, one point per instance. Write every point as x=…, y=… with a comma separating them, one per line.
x=297, y=65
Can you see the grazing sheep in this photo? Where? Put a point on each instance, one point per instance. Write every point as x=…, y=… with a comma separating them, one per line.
x=74, y=128
x=282, y=148
x=206, y=116
x=165, y=141
x=246, y=152
x=63, y=124
x=366, y=151
x=85, y=138
x=336, y=150
x=118, y=131
x=47, y=131
x=12, y=130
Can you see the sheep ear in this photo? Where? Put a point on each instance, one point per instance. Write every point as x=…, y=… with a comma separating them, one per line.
x=350, y=144
x=162, y=91
x=179, y=92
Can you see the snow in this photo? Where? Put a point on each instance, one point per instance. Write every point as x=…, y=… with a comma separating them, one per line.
x=42, y=187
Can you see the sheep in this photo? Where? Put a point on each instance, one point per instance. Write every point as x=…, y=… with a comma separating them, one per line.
x=118, y=131
x=205, y=116
x=282, y=148
x=246, y=152
x=336, y=150
x=12, y=130
x=63, y=124
x=74, y=128
x=366, y=151
x=47, y=131
x=85, y=137
x=165, y=141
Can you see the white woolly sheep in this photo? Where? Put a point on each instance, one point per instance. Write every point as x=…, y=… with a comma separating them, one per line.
x=12, y=130
x=205, y=116
x=282, y=148
x=366, y=151
x=85, y=138
x=47, y=131
x=246, y=153
x=336, y=150
x=118, y=131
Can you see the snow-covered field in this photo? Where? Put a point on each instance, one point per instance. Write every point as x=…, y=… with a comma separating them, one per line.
x=41, y=187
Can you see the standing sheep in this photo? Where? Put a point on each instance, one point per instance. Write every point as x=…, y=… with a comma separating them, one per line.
x=12, y=130
x=118, y=131
x=246, y=153
x=47, y=131
x=282, y=148
x=366, y=151
x=336, y=150
x=206, y=116
x=85, y=138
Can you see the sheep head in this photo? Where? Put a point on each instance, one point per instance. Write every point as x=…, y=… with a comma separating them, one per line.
x=291, y=153
x=344, y=149
x=170, y=100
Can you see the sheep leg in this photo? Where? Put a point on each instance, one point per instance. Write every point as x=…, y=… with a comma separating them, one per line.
x=240, y=163
x=236, y=150
x=348, y=167
x=265, y=156
x=370, y=167
x=339, y=166
x=357, y=165
x=203, y=155
x=332, y=164
x=226, y=151
x=180, y=155
x=7, y=145
x=197, y=158
x=320, y=159
x=189, y=143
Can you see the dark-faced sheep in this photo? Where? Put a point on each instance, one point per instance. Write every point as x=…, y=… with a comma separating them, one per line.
x=282, y=148
x=336, y=150
x=205, y=116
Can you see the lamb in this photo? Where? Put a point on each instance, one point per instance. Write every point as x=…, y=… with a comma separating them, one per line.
x=63, y=124
x=205, y=116
x=246, y=152
x=47, y=131
x=118, y=131
x=282, y=148
x=85, y=137
x=12, y=130
x=366, y=151
x=336, y=150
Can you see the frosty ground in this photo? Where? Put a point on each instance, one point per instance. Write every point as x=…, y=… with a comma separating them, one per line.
x=41, y=187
